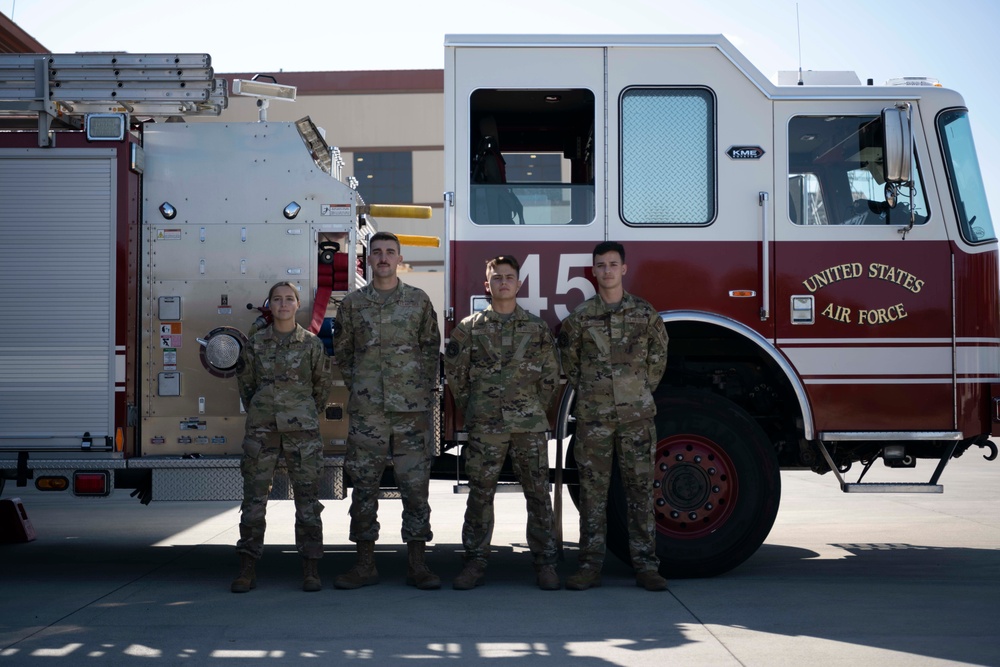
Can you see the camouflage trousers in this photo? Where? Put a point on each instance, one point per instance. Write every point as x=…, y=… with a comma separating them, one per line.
x=529, y=456
x=303, y=453
x=596, y=444
x=371, y=441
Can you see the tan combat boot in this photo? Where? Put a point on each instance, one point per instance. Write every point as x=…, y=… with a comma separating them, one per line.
x=247, y=578
x=650, y=580
x=547, y=578
x=363, y=573
x=584, y=578
x=417, y=572
x=310, y=575
x=472, y=575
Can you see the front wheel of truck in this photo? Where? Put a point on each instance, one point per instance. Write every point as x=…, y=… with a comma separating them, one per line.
x=717, y=486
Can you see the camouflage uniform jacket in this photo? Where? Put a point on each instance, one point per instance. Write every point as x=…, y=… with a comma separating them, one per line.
x=284, y=381
x=614, y=358
x=388, y=350
x=504, y=375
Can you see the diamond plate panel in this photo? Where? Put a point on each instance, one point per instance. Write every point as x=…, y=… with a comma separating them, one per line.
x=668, y=156
x=220, y=479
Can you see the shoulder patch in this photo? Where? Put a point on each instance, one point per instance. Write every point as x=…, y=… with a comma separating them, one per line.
x=459, y=335
x=452, y=349
x=563, y=340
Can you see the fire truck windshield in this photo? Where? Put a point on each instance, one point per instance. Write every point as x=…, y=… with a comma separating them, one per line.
x=964, y=177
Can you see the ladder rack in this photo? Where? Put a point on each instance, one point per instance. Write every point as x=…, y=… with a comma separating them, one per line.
x=66, y=87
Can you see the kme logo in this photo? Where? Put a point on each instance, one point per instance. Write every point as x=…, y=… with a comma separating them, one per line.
x=745, y=152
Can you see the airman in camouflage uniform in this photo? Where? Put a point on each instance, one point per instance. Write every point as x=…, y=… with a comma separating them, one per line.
x=503, y=372
x=614, y=352
x=387, y=345
x=284, y=378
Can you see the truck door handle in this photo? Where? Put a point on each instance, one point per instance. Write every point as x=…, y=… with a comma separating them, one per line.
x=765, y=257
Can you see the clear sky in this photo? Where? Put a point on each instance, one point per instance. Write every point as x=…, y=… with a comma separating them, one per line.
x=950, y=41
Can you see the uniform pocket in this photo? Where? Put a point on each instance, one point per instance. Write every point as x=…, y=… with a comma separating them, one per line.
x=251, y=448
x=368, y=334
x=601, y=340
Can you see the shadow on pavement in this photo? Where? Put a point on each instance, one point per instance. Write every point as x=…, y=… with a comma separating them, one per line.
x=111, y=602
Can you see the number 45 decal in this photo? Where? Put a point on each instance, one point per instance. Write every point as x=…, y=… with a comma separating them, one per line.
x=533, y=275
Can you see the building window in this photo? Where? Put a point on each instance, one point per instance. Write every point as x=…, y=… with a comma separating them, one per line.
x=385, y=177
x=668, y=156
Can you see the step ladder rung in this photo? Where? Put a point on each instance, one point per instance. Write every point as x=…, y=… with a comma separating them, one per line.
x=930, y=486
x=892, y=487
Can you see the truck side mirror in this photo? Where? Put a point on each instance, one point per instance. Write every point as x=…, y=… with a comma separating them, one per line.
x=897, y=144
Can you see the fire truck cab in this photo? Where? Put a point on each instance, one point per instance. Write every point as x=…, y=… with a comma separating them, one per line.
x=822, y=255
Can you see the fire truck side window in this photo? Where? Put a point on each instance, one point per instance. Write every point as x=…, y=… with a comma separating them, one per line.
x=836, y=174
x=668, y=156
x=532, y=157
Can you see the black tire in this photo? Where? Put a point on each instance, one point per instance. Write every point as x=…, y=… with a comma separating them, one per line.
x=717, y=488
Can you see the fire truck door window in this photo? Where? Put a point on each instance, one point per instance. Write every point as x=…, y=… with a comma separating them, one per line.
x=668, y=156
x=532, y=157
x=836, y=174
x=964, y=177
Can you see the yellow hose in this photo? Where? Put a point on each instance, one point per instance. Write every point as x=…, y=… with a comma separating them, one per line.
x=425, y=241
x=396, y=211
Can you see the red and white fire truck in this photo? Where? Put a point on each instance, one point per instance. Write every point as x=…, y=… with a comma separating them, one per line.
x=822, y=255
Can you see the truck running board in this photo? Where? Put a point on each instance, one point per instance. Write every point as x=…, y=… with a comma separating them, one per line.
x=931, y=486
x=891, y=487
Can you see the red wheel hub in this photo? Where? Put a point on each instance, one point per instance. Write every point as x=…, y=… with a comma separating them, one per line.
x=694, y=486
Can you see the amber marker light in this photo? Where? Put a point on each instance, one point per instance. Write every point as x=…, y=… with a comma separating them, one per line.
x=52, y=483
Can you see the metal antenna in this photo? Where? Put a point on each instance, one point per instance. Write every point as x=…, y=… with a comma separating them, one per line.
x=798, y=32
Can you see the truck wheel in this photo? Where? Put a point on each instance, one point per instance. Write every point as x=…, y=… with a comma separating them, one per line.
x=716, y=490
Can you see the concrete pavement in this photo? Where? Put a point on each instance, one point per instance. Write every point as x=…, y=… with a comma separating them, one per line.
x=843, y=579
